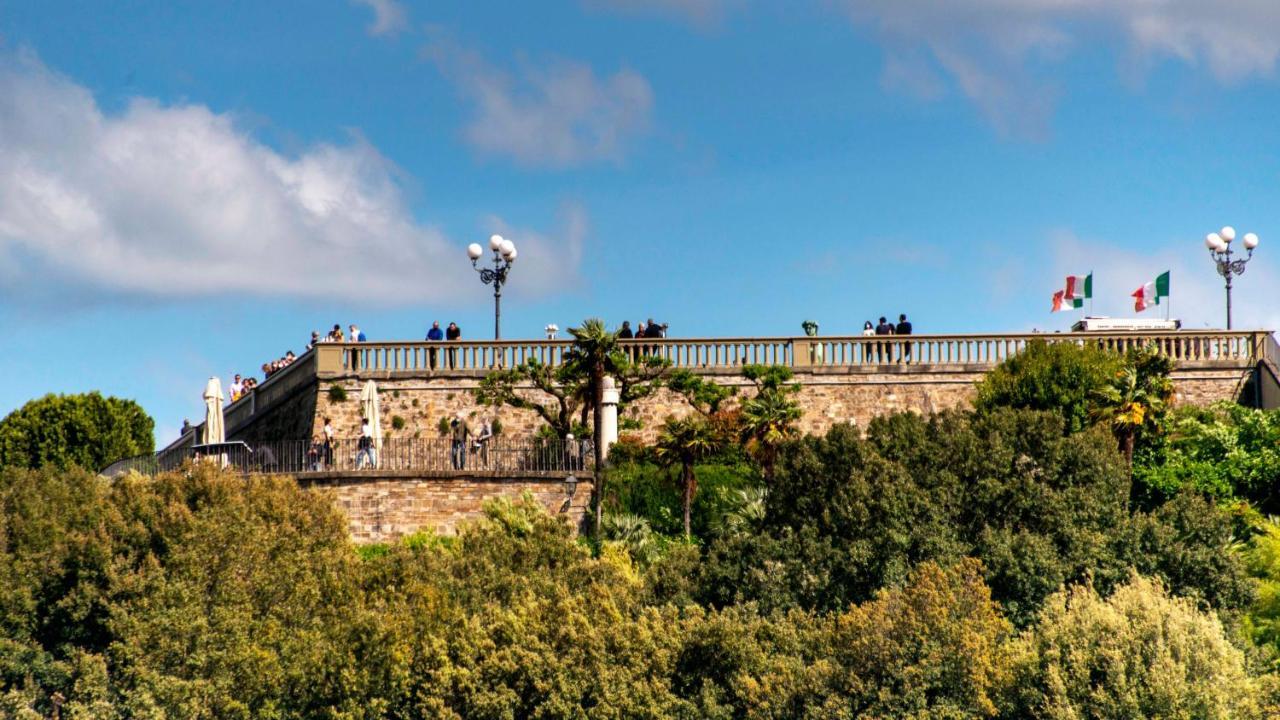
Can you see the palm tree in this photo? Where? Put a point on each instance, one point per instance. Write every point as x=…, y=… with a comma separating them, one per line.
x=686, y=442
x=1135, y=399
x=768, y=420
x=593, y=355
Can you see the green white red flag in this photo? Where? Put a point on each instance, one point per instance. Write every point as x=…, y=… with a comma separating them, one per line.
x=1150, y=293
x=1079, y=288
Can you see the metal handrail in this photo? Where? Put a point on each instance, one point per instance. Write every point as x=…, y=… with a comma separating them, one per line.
x=497, y=456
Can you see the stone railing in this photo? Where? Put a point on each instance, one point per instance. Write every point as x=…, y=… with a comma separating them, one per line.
x=797, y=352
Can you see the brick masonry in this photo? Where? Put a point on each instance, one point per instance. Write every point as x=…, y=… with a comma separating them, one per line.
x=383, y=507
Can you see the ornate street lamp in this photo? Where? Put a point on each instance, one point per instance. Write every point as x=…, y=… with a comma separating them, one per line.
x=1219, y=244
x=504, y=254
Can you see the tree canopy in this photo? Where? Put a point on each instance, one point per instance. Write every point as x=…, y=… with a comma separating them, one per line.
x=87, y=430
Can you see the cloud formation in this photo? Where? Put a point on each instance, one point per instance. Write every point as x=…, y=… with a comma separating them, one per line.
x=168, y=202
x=389, y=16
x=990, y=49
x=559, y=115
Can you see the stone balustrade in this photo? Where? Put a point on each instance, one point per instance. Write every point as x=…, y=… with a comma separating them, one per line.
x=796, y=352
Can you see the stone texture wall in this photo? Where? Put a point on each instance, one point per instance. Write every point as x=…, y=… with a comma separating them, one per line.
x=827, y=398
x=383, y=507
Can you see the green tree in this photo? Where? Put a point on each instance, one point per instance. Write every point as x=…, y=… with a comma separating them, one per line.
x=1060, y=377
x=561, y=389
x=1225, y=450
x=1135, y=401
x=685, y=442
x=1137, y=653
x=87, y=430
x=593, y=355
x=769, y=418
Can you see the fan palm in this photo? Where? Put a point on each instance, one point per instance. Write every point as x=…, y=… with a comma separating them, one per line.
x=593, y=355
x=1131, y=403
x=686, y=442
x=768, y=420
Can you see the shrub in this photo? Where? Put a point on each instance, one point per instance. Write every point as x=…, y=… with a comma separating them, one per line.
x=443, y=426
x=337, y=393
x=397, y=422
x=1138, y=653
x=1060, y=377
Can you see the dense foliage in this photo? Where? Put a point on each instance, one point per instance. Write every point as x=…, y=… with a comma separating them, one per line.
x=1003, y=562
x=203, y=595
x=88, y=430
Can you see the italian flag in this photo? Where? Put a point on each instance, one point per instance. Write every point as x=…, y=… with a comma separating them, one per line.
x=1079, y=288
x=1057, y=302
x=1150, y=294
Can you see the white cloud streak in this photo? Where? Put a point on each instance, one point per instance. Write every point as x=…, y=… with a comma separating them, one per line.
x=558, y=116
x=172, y=202
x=990, y=48
x=389, y=16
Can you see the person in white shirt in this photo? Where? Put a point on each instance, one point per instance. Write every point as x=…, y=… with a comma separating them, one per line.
x=365, y=455
x=482, y=441
x=237, y=388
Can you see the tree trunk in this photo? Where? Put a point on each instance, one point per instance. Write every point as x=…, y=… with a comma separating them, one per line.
x=687, y=472
x=1126, y=447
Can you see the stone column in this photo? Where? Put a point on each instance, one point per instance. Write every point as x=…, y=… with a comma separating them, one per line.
x=609, y=397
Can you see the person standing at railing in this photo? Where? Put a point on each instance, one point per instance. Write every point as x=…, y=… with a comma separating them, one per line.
x=435, y=334
x=883, y=348
x=458, y=433
x=328, y=444
x=365, y=446
x=452, y=333
x=482, y=442
x=904, y=328
x=356, y=337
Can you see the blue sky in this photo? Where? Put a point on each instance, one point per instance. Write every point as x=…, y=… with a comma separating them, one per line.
x=189, y=189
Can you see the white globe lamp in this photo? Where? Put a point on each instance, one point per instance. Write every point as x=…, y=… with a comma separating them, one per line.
x=1250, y=241
x=495, y=242
x=474, y=251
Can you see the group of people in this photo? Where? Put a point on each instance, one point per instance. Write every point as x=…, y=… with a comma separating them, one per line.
x=650, y=329
x=336, y=335
x=885, y=351
x=435, y=334
x=240, y=385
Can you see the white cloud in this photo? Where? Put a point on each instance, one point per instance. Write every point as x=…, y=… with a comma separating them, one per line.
x=699, y=12
x=555, y=116
x=175, y=202
x=1197, y=296
x=541, y=253
x=990, y=48
x=389, y=16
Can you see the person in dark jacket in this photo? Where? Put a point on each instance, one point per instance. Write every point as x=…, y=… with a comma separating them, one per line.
x=882, y=349
x=625, y=333
x=904, y=328
x=453, y=332
x=435, y=334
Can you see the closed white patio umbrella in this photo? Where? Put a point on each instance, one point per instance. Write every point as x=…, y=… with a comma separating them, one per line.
x=214, y=430
x=372, y=411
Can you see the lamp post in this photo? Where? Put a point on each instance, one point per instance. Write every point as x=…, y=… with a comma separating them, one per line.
x=1219, y=244
x=504, y=254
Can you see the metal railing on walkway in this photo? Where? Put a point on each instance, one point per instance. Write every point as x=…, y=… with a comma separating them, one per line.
x=497, y=456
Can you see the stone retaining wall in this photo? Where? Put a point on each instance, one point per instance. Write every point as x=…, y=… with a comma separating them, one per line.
x=384, y=506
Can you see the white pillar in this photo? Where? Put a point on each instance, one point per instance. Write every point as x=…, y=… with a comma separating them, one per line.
x=609, y=397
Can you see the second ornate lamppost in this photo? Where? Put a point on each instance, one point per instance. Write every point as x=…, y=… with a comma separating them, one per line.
x=1219, y=244
x=504, y=254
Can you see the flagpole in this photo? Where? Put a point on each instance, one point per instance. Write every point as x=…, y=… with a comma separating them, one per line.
x=1090, y=291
